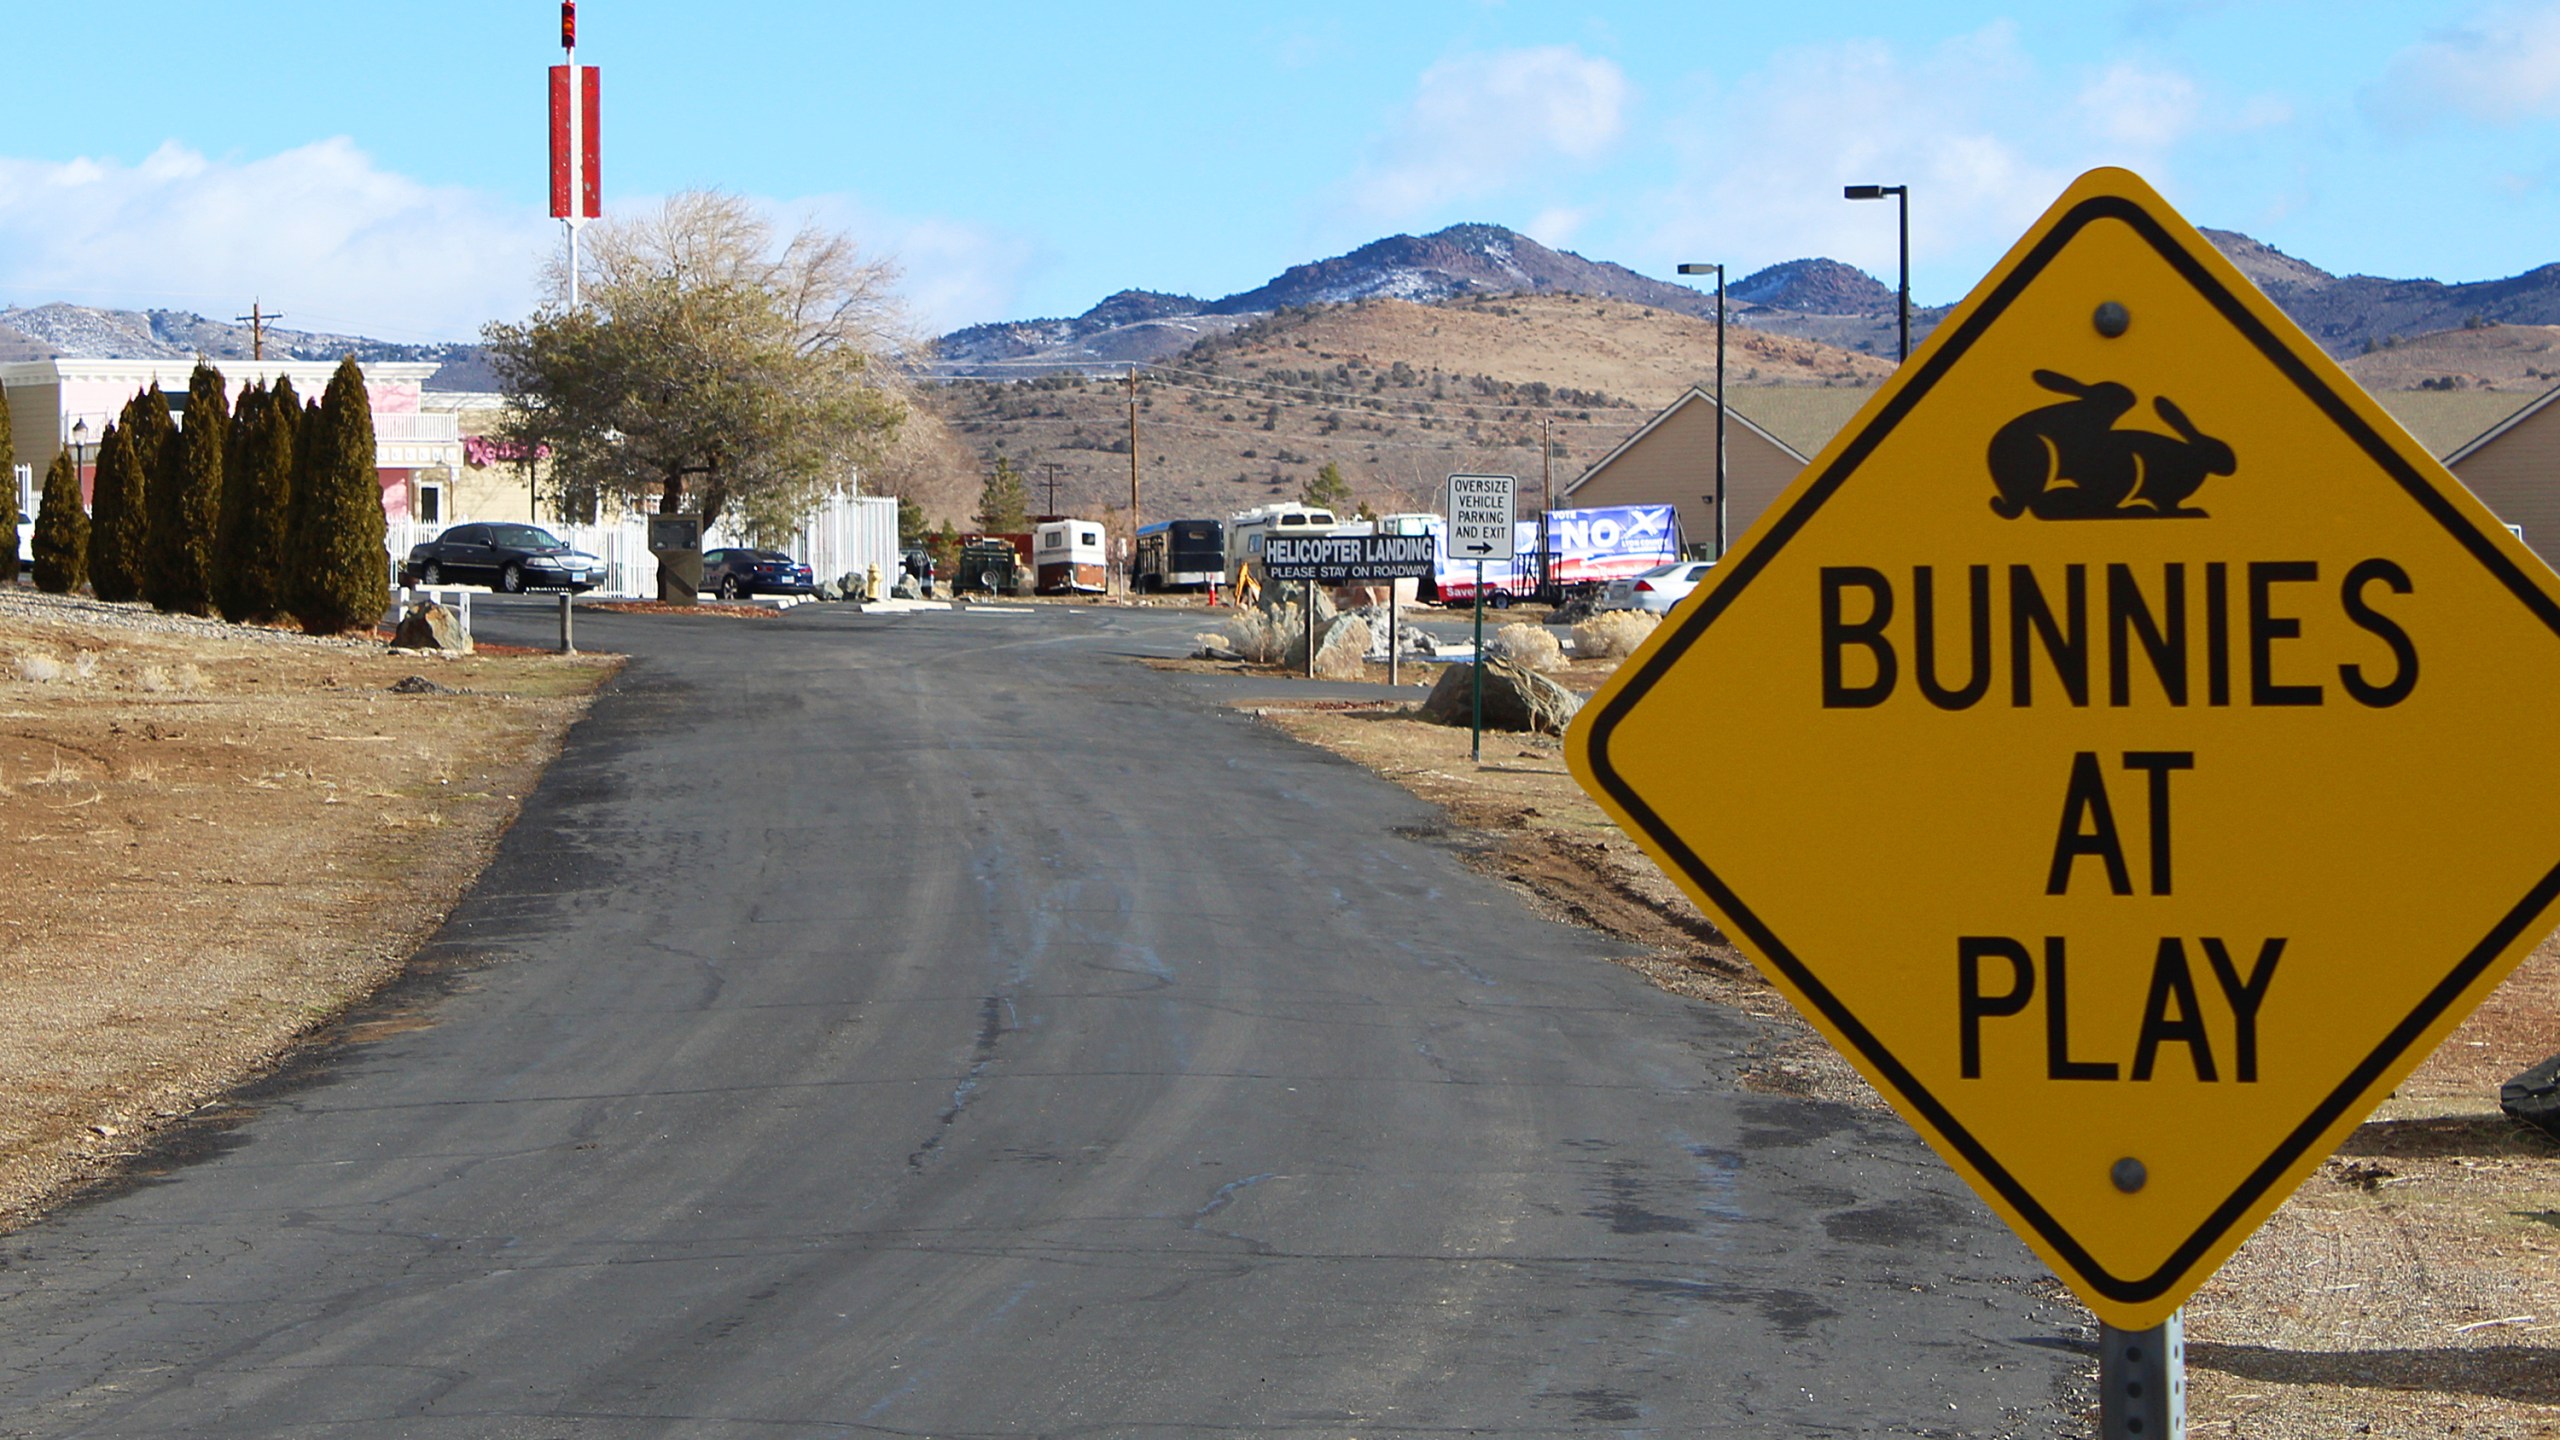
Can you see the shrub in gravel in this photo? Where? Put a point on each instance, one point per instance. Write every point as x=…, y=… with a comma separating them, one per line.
x=184, y=500
x=62, y=530
x=252, y=541
x=340, y=573
x=1528, y=645
x=115, y=518
x=1612, y=634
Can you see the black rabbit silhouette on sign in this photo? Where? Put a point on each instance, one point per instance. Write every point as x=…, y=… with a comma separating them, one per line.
x=2069, y=462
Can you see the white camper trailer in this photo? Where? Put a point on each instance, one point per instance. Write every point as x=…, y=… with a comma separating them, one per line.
x=1069, y=557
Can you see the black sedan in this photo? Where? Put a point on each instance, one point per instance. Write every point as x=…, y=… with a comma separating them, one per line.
x=736, y=573
x=507, y=556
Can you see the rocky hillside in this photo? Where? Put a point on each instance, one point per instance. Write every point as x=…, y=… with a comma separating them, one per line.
x=2353, y=313
x=1394, y=393
x=1459, y=262
x=1813, y=299
x=44, y=331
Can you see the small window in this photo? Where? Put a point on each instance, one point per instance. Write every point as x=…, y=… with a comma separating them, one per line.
x=430, y=504
x=1293, y=519
x=1092, y=537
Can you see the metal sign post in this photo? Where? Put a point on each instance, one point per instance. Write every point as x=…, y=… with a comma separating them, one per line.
x=1311, y=628
x=1475, y=744
x=2142, y=1381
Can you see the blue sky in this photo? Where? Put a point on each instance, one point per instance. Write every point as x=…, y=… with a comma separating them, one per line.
x=379, y=167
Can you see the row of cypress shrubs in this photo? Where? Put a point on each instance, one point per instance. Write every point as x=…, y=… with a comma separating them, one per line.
x=267, y=511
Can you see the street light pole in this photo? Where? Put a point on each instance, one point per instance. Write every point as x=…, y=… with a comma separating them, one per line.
x=1901, y=193
x=1701, y=269
x=79, y=452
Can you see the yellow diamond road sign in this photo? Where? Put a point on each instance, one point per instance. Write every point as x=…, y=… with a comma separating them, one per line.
x=2124, y=742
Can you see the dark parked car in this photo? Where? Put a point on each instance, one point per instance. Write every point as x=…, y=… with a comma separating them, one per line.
x=504, y=555
x=736, y=573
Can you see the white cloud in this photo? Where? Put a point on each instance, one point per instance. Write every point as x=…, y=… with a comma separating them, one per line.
x=1763, y=164
x=335, y=242
x=951, y=273
x=1479, y=125
x=1555, y=226
x=2501, y=66
x=2142, y=108
x=319, y=232
x=1982, y=134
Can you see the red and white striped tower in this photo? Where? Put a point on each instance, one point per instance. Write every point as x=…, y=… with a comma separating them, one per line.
x=576, y=196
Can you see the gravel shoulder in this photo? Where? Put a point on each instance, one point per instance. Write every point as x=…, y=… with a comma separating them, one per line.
x=217, y=840
x=2411, y=1288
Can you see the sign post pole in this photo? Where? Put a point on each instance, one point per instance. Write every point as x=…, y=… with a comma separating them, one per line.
x=2142, y=1381
x=1476, y=746
x=1393, y=679
x=1481, y=529
x=1311, y=629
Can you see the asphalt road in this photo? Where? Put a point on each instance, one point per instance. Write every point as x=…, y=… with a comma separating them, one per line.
x=940, y=1025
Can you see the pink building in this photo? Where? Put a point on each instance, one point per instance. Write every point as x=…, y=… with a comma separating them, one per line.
x=50, y=400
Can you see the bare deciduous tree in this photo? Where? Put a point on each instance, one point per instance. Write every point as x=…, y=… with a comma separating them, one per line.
x=712, y=363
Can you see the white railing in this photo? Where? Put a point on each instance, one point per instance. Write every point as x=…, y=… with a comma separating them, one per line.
x=419, y=429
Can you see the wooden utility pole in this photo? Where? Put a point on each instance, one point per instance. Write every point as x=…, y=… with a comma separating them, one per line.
x=1133, y=453
x=1546, y=501
x=1052, y=467
x=257, y=318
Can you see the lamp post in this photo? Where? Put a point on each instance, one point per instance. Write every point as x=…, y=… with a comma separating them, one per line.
x=1701, y=268
x=79, y=451
x=1901, y=193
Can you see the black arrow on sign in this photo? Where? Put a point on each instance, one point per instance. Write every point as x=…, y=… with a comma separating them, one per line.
x=1482, y=547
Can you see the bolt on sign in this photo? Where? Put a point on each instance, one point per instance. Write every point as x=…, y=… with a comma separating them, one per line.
x=2123, y=742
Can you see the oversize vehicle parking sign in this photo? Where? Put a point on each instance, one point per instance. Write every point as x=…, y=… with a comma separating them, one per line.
x=1348, y=559
x=1480, y=516
x=2129, y=748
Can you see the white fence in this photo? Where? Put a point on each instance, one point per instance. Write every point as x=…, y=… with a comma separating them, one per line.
x=845, y=537
x=422, y=429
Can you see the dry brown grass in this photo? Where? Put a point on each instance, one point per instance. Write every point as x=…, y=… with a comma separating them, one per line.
x=2411, y=1288
x=213, y=847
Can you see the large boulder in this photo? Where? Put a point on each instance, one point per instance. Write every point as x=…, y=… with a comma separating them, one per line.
x=1515, y=698
x=2534, y=1097
x=1342, y=652
x=1290, y=597
x=432, y=626
x=1412, y=641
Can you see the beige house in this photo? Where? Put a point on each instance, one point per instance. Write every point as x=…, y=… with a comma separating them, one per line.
x=489, y=480
x=2514, y=467
x=1672, y=461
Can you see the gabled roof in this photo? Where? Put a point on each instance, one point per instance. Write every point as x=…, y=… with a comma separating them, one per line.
x=2532, y=408
x=1696, y=393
